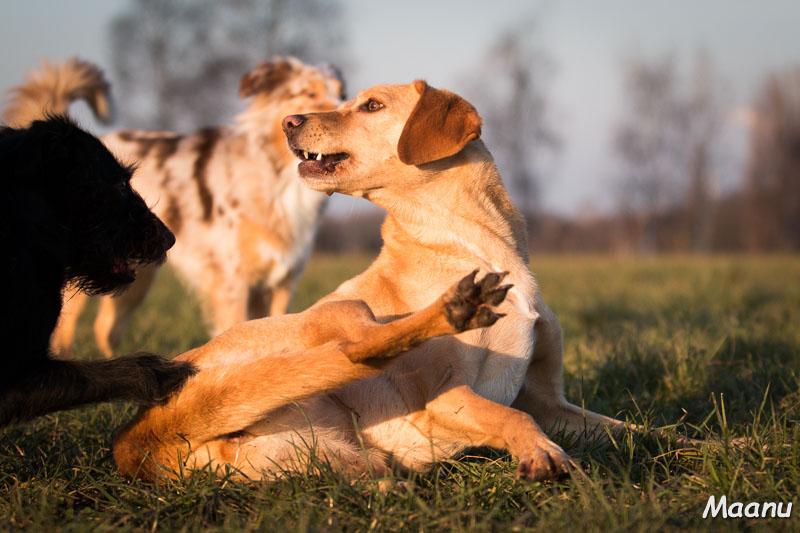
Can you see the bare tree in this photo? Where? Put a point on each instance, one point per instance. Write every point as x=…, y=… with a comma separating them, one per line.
x=178, y=62
x=773, y=176
x=515, y=111
x=666, y=141
x=706, y=100
x=648, y=141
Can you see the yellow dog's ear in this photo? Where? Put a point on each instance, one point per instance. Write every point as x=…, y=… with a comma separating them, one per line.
x=265, y=77
x=440, y=125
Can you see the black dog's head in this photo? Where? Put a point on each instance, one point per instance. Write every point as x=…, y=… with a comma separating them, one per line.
x=74, y=201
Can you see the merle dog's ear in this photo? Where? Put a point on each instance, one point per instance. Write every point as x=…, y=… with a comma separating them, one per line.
x=440, y=125
x=265, y=77
x=334, y=72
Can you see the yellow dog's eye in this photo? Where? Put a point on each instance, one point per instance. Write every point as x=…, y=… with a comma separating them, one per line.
x=371, y=106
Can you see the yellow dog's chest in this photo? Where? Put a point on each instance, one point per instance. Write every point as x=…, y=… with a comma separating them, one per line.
x=507, y=352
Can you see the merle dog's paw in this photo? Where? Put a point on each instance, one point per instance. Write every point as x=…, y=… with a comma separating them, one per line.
x=159, y=377
x=468, y=303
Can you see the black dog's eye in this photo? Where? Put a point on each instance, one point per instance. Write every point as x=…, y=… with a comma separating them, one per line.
x=122, y=186
x=371, y=106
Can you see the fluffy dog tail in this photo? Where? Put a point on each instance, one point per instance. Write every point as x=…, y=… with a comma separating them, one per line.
x=50, y=90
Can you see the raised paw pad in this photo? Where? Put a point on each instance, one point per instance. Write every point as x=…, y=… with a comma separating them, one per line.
x=467, y=307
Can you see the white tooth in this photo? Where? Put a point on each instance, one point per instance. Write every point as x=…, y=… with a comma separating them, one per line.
x=319, y=157
x=305, y=154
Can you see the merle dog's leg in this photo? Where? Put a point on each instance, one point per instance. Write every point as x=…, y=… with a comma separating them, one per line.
x=114, y=311
x=61, y=339
x=144, y=378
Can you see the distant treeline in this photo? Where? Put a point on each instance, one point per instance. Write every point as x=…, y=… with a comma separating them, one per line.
x=735, y=225
x=744, y=221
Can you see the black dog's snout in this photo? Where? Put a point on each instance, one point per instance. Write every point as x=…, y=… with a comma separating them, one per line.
x=292, y=121
x=164, y=238
x=169, y=238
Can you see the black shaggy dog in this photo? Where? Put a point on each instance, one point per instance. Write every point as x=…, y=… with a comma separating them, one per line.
x=69, y=217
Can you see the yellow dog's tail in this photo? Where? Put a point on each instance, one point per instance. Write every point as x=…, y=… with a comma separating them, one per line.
x=50, y=90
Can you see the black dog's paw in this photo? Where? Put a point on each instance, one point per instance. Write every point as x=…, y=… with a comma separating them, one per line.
x=468, y=302
x=171, y=378
x=159, y=377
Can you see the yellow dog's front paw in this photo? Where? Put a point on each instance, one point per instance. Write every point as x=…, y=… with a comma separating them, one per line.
x=545, y=464
x=468, y=303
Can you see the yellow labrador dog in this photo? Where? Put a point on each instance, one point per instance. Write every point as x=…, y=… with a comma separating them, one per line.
x=270, y=390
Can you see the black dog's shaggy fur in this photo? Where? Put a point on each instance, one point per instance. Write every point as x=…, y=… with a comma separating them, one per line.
x=70, y=216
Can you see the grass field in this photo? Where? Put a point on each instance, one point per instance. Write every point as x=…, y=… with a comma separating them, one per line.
x=711, y=342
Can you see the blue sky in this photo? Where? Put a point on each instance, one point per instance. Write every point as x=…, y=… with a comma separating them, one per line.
x=396, y=42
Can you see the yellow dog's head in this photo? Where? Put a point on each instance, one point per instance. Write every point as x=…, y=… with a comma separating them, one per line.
x=385, y=136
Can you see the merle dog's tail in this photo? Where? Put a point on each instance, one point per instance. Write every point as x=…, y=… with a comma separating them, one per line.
x=50, y=89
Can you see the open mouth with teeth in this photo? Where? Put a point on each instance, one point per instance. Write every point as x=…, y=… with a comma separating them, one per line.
x=312, y=163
